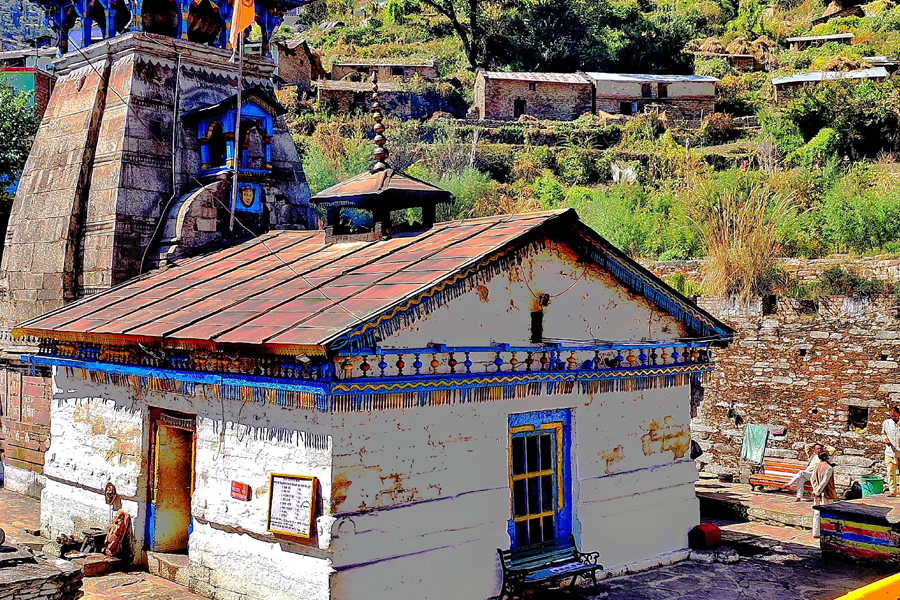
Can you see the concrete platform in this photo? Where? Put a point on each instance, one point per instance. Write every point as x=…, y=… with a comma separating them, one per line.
x=738, y=502
x=173, y=567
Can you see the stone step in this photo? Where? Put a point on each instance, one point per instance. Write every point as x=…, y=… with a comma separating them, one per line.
x=95, y=564
x=737, y=501
x=173, y=567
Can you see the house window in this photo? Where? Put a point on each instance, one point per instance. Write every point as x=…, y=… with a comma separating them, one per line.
x=645, y=90
x=662, y=90
x=362, y=70
x=532, y=86
x=397, y=71
x=627, y=108
x=518, y=107
x=857, y=418
x=539, y=477
x=217, y=146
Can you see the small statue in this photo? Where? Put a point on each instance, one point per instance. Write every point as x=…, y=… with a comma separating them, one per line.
x=110, y=493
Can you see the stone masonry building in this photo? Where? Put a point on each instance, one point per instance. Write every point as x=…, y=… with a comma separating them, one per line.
x=824, y=370
x=680, y=96
x=509, y=95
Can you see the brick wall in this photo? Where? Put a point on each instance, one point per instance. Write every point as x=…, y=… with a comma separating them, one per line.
x=816, y=369
x=495, y=99
x=24, y=418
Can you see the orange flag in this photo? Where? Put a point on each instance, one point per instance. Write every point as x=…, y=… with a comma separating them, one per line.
x=243, y=17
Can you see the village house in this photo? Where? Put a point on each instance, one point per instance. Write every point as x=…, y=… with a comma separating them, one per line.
x=742, y=62
x=27, y=70
x=802, y=43
x=297, y=65
x=681, y=96
x=321, y=414
x=386, y=70
x=784, y=85
x=509, y=95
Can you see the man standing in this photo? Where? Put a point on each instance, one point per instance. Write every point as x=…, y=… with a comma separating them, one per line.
x=822, y=482
x=890, y=435
x=801, y=477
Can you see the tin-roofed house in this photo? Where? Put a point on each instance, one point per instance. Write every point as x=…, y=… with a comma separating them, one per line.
x=387, y=70
x=506, y=95
x=797, y=44
x=372, y=410
x=681, y=96
x=784, y=85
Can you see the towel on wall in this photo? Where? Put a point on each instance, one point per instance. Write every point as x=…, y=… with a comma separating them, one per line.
x=754, y=447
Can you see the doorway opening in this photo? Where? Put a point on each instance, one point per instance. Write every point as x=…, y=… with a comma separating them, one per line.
x=173, y=448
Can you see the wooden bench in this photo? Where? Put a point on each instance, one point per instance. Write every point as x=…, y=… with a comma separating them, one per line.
x=777, y=472
x=547, y=562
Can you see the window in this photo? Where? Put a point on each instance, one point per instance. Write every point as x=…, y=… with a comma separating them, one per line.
x=532, y=86
x=769, y=304
x=397, y=71
x=662, y=90
x=627, y=108
x=645, y=90
x=857, y=418
x=518, y=107
x=362, y=70
x=539, y=477
x=217, y=146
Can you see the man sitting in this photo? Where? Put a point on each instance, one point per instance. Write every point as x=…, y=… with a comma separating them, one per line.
x=801, y=477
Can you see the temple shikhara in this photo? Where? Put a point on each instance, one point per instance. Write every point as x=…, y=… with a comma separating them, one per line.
x=369, y=403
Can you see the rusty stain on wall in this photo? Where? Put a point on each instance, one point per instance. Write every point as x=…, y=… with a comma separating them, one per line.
x=612, y=456
x=665, y=436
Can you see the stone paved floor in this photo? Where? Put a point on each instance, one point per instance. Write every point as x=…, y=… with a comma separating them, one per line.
x=777, y=563
x=739, y=498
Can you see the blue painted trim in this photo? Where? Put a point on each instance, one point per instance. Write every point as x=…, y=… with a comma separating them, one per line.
x=536, y=419
x=178, y=375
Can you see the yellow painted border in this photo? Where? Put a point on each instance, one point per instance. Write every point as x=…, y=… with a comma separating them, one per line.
x=560, y=492
x=312, y=505
x=884, y=589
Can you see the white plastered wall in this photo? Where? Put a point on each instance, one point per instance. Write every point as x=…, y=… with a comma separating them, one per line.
x=101, y=433
x=422, y=495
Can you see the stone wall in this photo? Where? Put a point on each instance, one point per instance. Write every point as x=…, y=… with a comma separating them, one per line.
x=46, y=578
x=495, y=99
x=824, y=371
x=24, y=427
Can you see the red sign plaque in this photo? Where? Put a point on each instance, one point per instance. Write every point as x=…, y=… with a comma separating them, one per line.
x=240, y=491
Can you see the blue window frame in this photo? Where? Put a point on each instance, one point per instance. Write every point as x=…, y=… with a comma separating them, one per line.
x=539, y=477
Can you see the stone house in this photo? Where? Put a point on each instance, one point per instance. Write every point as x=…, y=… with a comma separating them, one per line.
x=797, y=44
x=371, y=411
x=682, y=96
x=509, y=95
x=297, y=65
x=784, y=85
x=102, y=198
x=386, y=70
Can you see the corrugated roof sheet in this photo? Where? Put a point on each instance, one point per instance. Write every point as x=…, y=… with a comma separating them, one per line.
x=873, y=73
x=385, y=63
x=647, y=78
x=287, y=288
x=537, y=77
x=355, y=86
x=818, y=38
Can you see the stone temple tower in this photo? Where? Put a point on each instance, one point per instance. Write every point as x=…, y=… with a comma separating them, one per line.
x=132, y=169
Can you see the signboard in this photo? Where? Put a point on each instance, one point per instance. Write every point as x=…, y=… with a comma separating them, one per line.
x=240, y=491
x=292, y=501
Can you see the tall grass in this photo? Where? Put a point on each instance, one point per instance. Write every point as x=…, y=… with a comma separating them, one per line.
x=741, y=234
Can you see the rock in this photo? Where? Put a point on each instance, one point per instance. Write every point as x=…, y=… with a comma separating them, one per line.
x=854, y=461
x=724, y=555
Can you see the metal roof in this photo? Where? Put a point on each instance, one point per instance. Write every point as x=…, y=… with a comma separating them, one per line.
x=819, y=38
x=387, y=188
x=648, y=78
x=536, y=77
x=289, y=290
x=384, y=63
x=355, y=86
x=873, y=73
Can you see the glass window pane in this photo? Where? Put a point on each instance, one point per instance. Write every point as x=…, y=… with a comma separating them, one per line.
x=547, y=493
x=518, y=455
x=531, y=454
x=519, y=497
x=549, y=531
x=534, y=495
x=534, y=531
x=546, y=452
x=522, y=533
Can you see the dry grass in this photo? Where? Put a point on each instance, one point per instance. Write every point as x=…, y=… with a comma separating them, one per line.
x=741, y=236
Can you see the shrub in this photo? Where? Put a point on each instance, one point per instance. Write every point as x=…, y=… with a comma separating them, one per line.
x=859, y=215
x=818, y=150
x=685, y=286
x=718, y=128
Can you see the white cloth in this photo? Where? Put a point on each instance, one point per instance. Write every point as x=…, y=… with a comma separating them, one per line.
x=800, y=478
x=817, y=518
x=892, y=431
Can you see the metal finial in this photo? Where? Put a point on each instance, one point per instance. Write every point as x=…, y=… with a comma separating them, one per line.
x=381, y=153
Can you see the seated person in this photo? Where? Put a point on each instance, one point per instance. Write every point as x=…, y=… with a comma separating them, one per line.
x=801, y=477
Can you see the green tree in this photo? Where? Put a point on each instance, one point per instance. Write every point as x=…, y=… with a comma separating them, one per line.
x=18, y=124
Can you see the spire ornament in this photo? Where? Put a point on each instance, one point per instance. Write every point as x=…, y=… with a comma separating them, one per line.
x=381, y=153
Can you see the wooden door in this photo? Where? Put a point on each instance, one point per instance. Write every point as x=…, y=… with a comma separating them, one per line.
x=170, y=510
